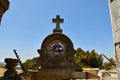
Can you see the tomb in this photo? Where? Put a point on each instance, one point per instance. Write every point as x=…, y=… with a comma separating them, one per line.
x=56, y=58
x=57, y=49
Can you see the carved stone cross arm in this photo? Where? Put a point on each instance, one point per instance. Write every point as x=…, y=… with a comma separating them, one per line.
x=57, y=21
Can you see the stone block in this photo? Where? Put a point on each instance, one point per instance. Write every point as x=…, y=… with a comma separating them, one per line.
x=79, y=75
x=118, y=20
x=118, y=3
x=52, y=74
x=57, y=74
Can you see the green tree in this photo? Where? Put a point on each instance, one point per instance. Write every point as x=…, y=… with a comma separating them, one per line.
x=88, y=59
x=77, y=56
x=109, y=65
x=95, y=60
x=29, y=63
x=112, y=61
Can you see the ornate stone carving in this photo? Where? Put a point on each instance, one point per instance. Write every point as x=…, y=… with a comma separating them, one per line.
x=56, y=57
x=62, y=57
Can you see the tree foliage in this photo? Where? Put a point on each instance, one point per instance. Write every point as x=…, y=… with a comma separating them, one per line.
x=88, y=59
x=29, y=63
x=109, y=65
x=92, y=59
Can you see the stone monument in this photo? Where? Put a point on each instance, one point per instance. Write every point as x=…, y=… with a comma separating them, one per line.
x=11, y=73
x=57, y=49
x=4, y=5
x=56, y=60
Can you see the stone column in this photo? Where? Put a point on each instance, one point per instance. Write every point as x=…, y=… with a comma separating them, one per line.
x=114, y=7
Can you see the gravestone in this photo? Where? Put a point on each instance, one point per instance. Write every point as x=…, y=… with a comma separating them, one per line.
x=57, y=49
x=56, y=60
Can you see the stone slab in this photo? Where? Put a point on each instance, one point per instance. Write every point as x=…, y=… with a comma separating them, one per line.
x=79, y=75
x=56, y=74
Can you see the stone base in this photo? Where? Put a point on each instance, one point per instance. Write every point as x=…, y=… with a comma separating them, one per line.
x=118, y=72
x=56, y=74
x=79, y=75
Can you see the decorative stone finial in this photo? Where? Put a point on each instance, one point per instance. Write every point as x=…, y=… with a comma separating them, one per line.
x=11, y=63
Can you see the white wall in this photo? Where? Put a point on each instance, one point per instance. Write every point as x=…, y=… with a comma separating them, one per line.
x=114, y=8
x=115, y=19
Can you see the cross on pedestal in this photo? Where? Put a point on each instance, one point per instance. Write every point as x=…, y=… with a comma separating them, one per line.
x=57, y=21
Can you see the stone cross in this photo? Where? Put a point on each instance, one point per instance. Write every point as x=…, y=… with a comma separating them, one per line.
x=57, y=21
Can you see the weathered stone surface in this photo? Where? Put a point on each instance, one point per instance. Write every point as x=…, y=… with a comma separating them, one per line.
x=57, y=50
x=52, y=74
x=56, y=60
x=11, y=73
x=115, y=20
x=118, y=3
x=57, y=74
x=4, y=5
x=79, y=75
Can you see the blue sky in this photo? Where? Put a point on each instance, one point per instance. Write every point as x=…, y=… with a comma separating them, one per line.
x=27, y=22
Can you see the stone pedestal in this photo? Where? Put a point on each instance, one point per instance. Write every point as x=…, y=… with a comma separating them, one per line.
x=57, y=74
x=79, y=75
